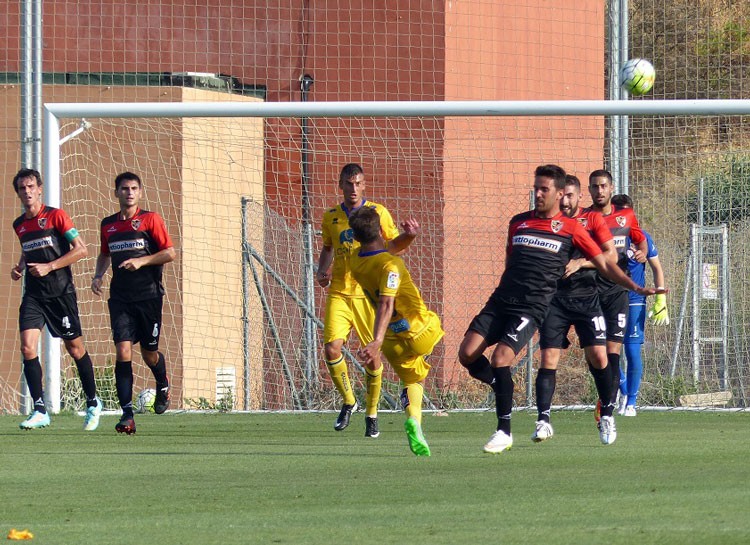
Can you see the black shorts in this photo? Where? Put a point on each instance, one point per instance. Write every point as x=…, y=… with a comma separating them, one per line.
x=509, y=326
x=138, y=322
x=615, y=305
x=60, y=314
x=583, y=313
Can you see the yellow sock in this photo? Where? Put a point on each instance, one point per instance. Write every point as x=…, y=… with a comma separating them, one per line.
x=374, y=381
x=411, y=398
x=340, y=379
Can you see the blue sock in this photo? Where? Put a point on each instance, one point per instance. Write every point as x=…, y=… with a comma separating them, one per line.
x=635, y=371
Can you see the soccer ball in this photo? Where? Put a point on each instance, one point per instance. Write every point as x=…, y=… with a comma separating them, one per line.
x=144, y=403
x=637, y=76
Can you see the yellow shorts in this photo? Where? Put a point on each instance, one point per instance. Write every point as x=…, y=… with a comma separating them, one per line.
x=406, y=351
x=344, y=313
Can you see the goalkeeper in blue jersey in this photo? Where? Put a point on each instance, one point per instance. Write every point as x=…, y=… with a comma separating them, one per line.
x=658, y=314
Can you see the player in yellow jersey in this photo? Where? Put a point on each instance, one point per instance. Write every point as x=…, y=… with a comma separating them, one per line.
x=404, y=328
x=346, y=306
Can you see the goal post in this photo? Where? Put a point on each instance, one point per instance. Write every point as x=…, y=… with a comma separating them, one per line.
x=226, y=177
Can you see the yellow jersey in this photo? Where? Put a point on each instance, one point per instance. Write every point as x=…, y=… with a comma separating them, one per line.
x=338, y=235
x=381, y=273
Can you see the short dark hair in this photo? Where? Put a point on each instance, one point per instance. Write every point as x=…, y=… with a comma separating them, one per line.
x=365, y=222
x=622, y=200
x=572, y=179
x=600, y=173
x=26, y=173
x=126, y=176
x=349, y=171
x=552, y=171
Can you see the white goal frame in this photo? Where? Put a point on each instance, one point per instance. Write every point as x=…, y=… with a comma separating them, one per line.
x=53, y=112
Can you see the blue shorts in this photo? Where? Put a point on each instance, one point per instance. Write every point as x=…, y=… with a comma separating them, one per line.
x=636, y=324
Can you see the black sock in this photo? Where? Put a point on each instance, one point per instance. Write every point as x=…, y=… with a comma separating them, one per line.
x=32, y=370
x=124, y=384
x=503, y=387
x=603, y=381
x=613, y=363
x=160, y=372
x=86, y=374
x=546, y=380
x=481, y=370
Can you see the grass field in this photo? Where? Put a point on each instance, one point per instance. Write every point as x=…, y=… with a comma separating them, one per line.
x=671, y=477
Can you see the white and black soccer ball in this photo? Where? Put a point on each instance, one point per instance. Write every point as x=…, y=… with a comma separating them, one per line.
x=144, y=403
x=637, y=76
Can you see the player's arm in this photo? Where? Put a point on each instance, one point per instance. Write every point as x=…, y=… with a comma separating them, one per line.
x=161, y=257
x=586, y=244
x=658, y=312
x=77, y=252
x=608, y=251
x=17, y=271
x=102, y=264
x=323, y=274
x=383, y=314
x=409, y=231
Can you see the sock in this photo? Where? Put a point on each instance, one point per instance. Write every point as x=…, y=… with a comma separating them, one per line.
x=340, y=379
x=603, y=381
x=124, y=384
x=503, y=387
x=411, y=400
x=32, y=370
x=613, y=364
x=635, y=372
x=86, y=374
x=160, y=372
x=373, y=383
x=481, y=370
x=546, y=380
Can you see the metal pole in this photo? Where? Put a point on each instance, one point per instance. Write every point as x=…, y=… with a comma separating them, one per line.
x=245, y=309
x=725, y=305
x=614, y=89
x=310, y=333
x=625, y=121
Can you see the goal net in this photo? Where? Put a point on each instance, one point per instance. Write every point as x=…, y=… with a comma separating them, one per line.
x=243, y=186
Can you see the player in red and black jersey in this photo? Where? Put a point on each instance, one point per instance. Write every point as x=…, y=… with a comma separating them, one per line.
x=576, y=304
x=137, y=244
x=50, y=244
x=624, y=226
x=540, y=244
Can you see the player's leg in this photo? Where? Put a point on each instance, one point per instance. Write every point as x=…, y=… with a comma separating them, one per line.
x=63, y=321
x=77, y=351
x=553, y=337
x=412, y=369
x=123, y=333
x=363, y=318
x=337, y=324
x=633, y=345
x=148, y=324
x=475, y=342
x=546, y=379
x=515, y=332
x=615, y=308
x=32, y=370
x=598, y=360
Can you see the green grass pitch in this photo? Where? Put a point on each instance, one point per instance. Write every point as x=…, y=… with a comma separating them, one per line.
x=671, y=477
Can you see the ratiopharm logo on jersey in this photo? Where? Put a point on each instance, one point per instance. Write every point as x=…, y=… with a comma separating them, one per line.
x=36, y=244
x=537, y=242
x=127, y=245
x=619, y=241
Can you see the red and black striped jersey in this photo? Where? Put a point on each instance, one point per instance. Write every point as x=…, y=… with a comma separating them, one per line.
x=537, y=251
x=623, y=224
x=143, y=234
x=583, y=281
x=44, y=238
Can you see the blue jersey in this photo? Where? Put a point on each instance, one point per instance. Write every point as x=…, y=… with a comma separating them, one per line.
x=638, y=270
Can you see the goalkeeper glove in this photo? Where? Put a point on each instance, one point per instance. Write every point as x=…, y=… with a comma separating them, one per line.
x=658, y=313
